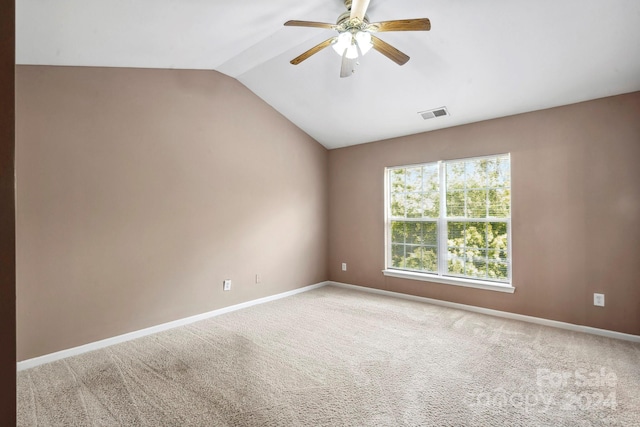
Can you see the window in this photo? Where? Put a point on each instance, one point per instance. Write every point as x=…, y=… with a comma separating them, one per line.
x=451, y=221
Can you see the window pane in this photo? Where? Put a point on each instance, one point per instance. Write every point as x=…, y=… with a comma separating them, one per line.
x=414, y=179
x=455, y=264
x=477, y=203
x=476, y=266
x=414, y=233
x=475, y=235
x=497, y=235
x=413, y=204
x=467, y=249
x=497, y=255
x=430, y=233
x=499, y=202
x=498, y=271
x=455, y=176
x=397, y=205
x=421, y=258
x=431, y=205
x=397, y=232
x=478, y=188
x=498, y=227
x=498, y=172
x=455, y=233
x=428, y=259
x=397, y=180
x=455, y=203
x=476, y=173
x=397, y=256
x=430, y=179
x=413, y=260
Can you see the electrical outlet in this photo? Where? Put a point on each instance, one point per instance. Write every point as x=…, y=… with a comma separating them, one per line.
x=226, y=285
x=344, y=266
x=598, y=299
x=258, y=278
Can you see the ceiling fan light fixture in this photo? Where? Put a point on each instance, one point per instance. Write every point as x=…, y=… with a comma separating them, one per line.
x=352, y=52
x=363, y=38
x=343, y=41
x=347, y=41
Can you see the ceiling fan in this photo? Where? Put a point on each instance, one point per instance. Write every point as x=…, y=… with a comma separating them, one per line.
x=355, y=36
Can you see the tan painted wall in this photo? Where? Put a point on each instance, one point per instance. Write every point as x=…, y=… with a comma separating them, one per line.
x=576, y=206
x=140, y=191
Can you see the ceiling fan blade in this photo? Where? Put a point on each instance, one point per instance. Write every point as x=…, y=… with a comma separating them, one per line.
x=389, y=51
x=317, y=48
x=421, y=24
x=359, y=9
x=348, y=65
x=295, y=23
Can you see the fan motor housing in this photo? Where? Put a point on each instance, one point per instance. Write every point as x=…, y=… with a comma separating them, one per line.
x=347, y=15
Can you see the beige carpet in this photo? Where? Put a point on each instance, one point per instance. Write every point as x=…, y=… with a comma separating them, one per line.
x=336, y=357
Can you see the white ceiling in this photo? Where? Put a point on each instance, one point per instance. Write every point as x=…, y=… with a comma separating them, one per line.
x=482, y=59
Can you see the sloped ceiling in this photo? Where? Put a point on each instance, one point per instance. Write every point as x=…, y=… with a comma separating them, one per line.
x=482, y=59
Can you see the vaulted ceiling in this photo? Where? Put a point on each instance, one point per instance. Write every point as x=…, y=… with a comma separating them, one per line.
x=482, y=59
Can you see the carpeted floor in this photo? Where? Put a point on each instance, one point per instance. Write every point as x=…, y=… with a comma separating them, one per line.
x=337, y=357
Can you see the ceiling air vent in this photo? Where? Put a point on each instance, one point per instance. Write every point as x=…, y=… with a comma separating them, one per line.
x=438, y=112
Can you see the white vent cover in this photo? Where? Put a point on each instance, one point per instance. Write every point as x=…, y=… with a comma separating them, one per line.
x=438, y=112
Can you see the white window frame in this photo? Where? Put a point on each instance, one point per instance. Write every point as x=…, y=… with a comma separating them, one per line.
x=442, y=220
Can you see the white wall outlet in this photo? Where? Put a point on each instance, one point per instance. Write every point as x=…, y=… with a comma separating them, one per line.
x=258, y=278
x=344, y=266
x=226, y=285
x=598, y=299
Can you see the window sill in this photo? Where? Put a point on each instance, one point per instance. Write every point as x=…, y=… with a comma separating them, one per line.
x=469, y=283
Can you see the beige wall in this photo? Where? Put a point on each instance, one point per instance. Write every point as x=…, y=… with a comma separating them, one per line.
x=576, y=206
x=139, y=191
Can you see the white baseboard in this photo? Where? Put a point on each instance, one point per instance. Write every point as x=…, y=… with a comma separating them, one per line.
x=47, y=358
x=498, y=313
